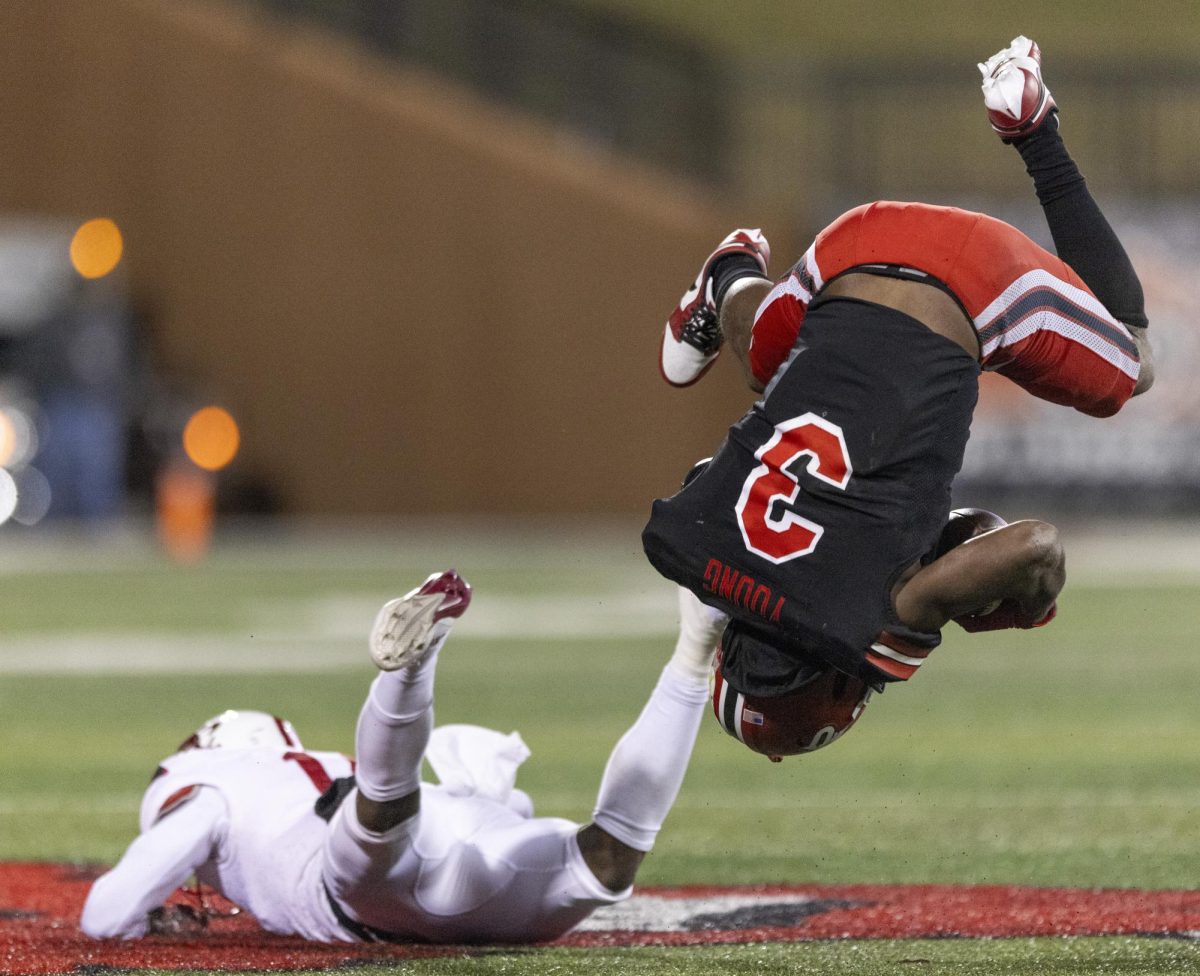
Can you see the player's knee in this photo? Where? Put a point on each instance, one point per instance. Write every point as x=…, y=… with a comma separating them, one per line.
x=1043, y=554
x=380, y=816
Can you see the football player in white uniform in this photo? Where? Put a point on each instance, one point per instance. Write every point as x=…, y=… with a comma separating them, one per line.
x=287, y=834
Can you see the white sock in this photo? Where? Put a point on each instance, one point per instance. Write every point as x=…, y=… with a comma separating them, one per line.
x=393, y=731
x=646, y=768
x=700, y=629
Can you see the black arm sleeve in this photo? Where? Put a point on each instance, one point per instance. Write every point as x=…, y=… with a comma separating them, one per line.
x=1082, y=235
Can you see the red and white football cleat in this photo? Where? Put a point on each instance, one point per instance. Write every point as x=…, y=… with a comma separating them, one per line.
x=692, y=338
x=410, y=628
x=1016, y=98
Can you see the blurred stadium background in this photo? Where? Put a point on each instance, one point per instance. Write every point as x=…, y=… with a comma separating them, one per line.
x=419, y=249
x=398, y=269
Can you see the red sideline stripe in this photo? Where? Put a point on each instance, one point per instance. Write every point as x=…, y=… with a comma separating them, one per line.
x=41, y=903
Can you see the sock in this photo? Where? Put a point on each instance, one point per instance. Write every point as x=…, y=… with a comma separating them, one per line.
x=393, y=731
x=646, y=768
x=700, y=629
x=1082, y=235
x=731, y=268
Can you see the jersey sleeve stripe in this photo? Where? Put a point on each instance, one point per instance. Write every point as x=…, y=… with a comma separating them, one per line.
x=1044, y=318
x=1041, y=278
x=1041, y=292
x=895, y=655
x=896, y=669
x=1045, y=299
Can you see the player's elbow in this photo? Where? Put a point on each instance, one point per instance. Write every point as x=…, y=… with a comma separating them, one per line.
x=105, y=916
x=97, y=922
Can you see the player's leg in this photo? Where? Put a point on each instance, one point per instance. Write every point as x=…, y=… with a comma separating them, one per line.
x=1028, y=119
x=397, y=716
x=369, y=836
x=738, y=307
x=1005, y=577
x=693, y=335
x=646, y=769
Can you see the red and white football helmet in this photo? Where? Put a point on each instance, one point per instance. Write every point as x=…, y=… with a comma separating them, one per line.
x=817, y=713
x=243, y=729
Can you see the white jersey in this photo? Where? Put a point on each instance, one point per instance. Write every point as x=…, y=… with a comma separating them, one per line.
x=473, y=865
x=268, y=859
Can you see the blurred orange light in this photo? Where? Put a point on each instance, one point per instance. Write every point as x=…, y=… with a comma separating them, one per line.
x=96, y=248
x=211, y=438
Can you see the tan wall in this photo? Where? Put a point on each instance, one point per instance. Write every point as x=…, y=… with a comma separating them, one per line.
x=414, y=301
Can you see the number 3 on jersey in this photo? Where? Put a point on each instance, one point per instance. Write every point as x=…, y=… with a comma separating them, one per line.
x=769, y=528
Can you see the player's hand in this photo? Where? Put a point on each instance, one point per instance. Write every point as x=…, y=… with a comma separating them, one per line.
x=1008, y=615
x=178, y=920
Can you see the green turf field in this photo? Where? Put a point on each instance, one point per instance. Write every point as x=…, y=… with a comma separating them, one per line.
x=1067, y=756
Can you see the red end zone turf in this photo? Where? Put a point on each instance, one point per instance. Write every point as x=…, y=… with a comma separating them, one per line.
x=40, y=904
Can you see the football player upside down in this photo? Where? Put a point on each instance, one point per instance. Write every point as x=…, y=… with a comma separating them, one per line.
x=820, y=525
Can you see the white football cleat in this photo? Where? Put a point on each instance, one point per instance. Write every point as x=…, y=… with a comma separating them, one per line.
x=692, y=338
x=410, y=628
x=1016, y=98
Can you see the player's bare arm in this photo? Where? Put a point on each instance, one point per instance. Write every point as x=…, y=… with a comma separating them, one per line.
x=1019, y=568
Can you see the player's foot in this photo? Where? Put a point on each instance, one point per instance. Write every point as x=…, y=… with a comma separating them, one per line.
x=692, y=338
x=410, y=628
x=1016, y=98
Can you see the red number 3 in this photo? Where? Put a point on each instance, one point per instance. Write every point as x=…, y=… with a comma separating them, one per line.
x=787, y=535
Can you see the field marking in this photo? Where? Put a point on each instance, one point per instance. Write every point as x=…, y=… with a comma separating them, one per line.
x=45, y=900
x=329, y=634
x=1100, y=552
x=326, y=633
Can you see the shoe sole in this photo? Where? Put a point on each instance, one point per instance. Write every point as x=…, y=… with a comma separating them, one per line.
x=409, y=628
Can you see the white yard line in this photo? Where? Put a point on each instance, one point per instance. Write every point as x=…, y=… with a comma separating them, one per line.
x=1096, y=548
x=328, y=634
